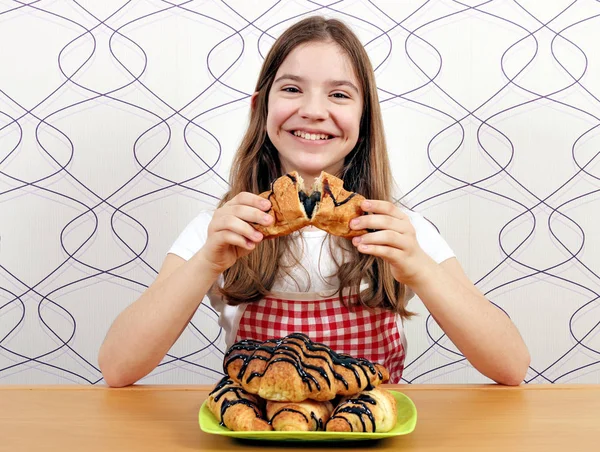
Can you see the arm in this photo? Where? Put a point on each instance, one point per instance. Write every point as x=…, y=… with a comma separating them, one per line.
x=481, y=331
x=144, y=332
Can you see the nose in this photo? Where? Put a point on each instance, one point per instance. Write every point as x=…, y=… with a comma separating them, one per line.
x=313, y=107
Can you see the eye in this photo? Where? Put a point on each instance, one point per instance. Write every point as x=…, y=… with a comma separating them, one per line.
x=291, y=89
x=340, y=96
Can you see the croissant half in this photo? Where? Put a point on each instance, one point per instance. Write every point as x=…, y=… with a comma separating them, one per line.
x=305, y=416
x=235, y=408
x=336, y=207
x=328, y=206
x=286, y=206
x=369, y=411
x=293, y=369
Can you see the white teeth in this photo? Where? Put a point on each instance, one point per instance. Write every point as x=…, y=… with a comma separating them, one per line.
x=311, y=136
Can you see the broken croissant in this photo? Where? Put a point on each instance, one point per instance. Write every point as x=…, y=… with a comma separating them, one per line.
x=328, y=206
x=306, y=416
x=370, y=411
x=293, y=369
x=235, y=409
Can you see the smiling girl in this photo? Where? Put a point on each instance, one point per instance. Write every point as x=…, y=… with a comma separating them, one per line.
x=314, y=109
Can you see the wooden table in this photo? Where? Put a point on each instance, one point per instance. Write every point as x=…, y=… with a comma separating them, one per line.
x=164, y=418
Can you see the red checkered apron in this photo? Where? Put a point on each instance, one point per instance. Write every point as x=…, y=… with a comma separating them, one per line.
x=359, y=332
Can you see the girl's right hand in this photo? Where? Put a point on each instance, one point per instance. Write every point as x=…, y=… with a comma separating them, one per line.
x=230, y=233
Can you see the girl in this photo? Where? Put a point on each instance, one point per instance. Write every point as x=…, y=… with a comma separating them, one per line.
x=315, y=108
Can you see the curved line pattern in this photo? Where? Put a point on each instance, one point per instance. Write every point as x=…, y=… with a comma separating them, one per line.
x=394, y=33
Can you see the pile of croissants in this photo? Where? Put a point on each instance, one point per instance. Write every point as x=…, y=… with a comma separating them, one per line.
x=294, y=384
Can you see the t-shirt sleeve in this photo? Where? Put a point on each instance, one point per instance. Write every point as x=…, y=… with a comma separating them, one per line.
x=193, y=237
x=429, y=238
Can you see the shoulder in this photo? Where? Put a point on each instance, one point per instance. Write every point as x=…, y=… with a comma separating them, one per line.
x=419, y=222
x=198, y=226
x=428, y=236
x=202, y=220
x=193, y=236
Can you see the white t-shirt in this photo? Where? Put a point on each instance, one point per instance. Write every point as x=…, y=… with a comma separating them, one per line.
x=315, y=278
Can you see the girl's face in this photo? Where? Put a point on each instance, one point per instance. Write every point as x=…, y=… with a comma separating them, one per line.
x=314, y=110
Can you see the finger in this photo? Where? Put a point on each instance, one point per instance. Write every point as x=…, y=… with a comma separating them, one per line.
x=382, y=207
x=249, y=214
x=231, y=238
x=383, y=238
x=388, y=253
x=232, y=223
x=382, y=222
x=250, y=199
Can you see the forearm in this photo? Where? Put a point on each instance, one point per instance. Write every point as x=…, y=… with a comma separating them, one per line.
x=144, y=332
x=481, y=331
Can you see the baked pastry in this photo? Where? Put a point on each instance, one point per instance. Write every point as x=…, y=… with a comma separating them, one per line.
x=369, y=411
x=287, y=206
x=306, y=416
x=336, y=207
x=235, y=408
x=328, y=206
x=293, y=369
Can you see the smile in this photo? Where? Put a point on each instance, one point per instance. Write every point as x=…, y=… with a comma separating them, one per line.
x=311, y=136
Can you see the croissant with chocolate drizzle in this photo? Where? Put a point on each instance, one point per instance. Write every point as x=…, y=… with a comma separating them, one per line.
x=307, y=416
x=293, y=369
x=370, y=411
x=328, y=206
x=235, y=408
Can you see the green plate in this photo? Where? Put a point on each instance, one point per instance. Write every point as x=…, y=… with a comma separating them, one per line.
x=405, y=423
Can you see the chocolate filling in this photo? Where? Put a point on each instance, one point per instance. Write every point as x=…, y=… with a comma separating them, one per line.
x=309, y=202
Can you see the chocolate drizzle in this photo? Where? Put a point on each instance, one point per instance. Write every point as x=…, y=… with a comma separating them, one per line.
x=319, y=425
x=318, y=421
x=289, y=410
x=295, y=349
x=227, y=385
x=358, y=406
x=327, y=191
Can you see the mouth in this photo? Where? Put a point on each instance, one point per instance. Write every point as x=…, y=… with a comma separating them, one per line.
x=311, y=136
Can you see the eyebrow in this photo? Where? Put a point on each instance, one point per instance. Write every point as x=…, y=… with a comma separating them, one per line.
x=297, y=78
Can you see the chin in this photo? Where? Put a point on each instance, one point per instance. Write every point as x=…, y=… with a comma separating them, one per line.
x=312, y=170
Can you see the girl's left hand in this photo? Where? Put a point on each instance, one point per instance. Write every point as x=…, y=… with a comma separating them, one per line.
x=394, y=240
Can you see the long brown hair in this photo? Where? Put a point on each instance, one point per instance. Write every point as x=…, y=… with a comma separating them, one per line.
x=366, y=171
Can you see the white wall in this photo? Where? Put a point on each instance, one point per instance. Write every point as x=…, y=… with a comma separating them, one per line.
x=118, y=121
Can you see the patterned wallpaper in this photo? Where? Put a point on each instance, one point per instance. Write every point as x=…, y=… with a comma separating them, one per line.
x=119, y=119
